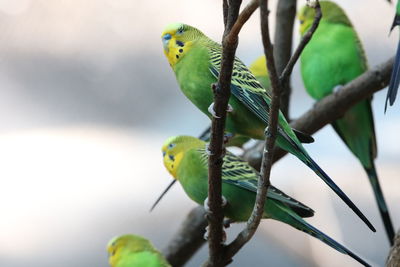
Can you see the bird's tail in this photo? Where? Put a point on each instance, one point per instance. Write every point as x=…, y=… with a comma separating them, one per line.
x=394, y=80
x=317, y=169
x=380, y=200
x=300, y=224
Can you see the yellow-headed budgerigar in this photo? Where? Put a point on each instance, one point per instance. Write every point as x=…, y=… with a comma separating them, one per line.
x=332, y=58
x=134, y=251
x=196, y=61
x=185, y=158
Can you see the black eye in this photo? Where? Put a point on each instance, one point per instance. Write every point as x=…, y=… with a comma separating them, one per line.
x=163, y=153
x=171, y=145
x=171, y=157
x=180, y=31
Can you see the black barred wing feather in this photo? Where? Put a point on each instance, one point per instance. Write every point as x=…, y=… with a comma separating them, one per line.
x=246, y=88
x=238, y=172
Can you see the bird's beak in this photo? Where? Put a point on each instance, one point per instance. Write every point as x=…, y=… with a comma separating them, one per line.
x=165, y=39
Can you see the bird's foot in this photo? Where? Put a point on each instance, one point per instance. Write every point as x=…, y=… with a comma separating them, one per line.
x=267, y=132
x=211, y=110
x=208, y=151
x=207, y=208
x=311, y=3
x=337, y=89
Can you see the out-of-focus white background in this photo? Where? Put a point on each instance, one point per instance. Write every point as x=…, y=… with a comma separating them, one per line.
x=86, y=101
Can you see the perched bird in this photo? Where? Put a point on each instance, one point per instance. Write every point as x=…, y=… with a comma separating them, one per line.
x=196, y=61
x=134, y=251
x=395, y=78
x=332, y=58
x=185, y=158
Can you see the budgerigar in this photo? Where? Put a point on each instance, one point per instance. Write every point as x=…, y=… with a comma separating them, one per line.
x=185, y=158
x=196, y=61
x=332, y=58
x=395, y=78
x=134, y=251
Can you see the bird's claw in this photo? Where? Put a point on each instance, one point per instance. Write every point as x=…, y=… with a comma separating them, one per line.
x=311, y=3
x=207, y=208
x=212, y=111
x=266, y=132
x=214, y=114
x=208, y=151
x=230, y=108
x=337, y=88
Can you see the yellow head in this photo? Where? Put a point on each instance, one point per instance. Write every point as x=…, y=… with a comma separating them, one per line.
x=259, y=66
x=126, y=244
x=331, y=13
x=177, y=39
x=174, y=149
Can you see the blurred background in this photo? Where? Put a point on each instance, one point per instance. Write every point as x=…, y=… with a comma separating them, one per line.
x=86, y=100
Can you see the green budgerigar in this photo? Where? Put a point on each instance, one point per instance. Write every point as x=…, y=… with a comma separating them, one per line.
x=395, y=78
x=196, y=61
x=133, y=250
x=332, y=58
x=185, y=158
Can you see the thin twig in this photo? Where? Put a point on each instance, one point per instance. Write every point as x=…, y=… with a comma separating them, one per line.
x=241, y=20
x=304, y=41
x=283, y=39
x=221, y=97
x=263, y=181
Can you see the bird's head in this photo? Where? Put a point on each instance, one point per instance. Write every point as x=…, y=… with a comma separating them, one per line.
x=331, y=13
x=177, y=39
x=174, y=149
x=126, y=244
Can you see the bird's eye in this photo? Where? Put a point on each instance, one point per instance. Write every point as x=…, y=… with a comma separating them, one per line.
x=163, y=153
x=171, y=145
x=301, y=21
x=171, y=157
x=180, y=31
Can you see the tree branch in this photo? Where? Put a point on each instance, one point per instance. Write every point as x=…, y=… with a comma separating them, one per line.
x=188, y=239
x=393, y=259
x=263, y=182
x=285, y=16
x=221, y=97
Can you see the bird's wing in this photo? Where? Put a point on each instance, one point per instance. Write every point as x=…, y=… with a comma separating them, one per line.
x=246, y=88
x=238, y=172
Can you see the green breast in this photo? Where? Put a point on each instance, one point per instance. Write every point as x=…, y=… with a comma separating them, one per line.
x=334, y=56
x=141, y=259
